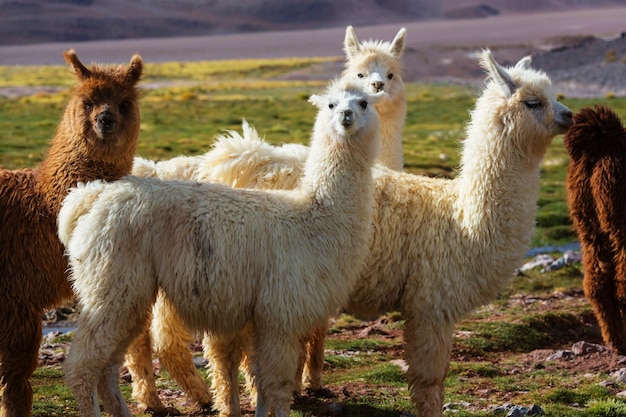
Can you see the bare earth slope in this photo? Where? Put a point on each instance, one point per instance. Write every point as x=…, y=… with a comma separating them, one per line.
x=562, y=42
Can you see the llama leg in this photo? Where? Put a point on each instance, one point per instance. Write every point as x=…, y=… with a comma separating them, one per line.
x=427, y=353
x=224, y=353
x=100, y=342
x=171, y=341
x=138, y=360
x=314, y=365
x=19, y=353
x=599, y=285
x=109, y=390
x=275, y=373
x=247, y=365
x=620, y=291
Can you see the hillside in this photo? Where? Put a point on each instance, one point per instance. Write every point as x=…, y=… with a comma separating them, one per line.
x=42, y=21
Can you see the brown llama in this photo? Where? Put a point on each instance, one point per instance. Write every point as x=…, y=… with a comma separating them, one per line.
x=97, y=138
x=596, y=188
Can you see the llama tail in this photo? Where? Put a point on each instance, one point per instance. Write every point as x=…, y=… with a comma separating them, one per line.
x=144, y=168
x=77, y=203
x=250, y=162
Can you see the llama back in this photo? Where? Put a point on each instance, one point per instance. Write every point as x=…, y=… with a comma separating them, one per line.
x=249, y=162
x=78, y=203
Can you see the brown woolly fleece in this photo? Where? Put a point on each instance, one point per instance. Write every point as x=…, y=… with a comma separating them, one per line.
x=596, y=187
x=96, y=139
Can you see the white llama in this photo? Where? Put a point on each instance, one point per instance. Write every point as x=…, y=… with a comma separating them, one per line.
x=440, y=247
x=374, y=64
x=282, y=260
x=461, y=239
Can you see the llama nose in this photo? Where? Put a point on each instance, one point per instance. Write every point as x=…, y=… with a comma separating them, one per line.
x=378, y=86
x=348, y=117
x=106, y=121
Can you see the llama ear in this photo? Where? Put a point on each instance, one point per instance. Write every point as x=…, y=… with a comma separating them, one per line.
x=135, y=69
x=524, y=63
x=498, y=74
x=397, y=45
x=351, y=44
x=80, y=70
x=317, y=101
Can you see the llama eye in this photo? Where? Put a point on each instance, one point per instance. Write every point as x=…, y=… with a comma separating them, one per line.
x=390, y=76
x=331, y=106
x=360, y=75
x=124, y=106
x=88, y=105
x=532, y=104
x=363, y=104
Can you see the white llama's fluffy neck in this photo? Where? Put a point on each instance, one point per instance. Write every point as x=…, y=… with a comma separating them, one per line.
x=497, y=193
x=338, y=169
x=392, y=114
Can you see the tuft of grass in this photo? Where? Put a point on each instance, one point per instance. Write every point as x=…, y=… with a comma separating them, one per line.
x=499, y=336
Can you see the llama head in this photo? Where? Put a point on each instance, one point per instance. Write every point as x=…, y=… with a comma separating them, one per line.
x=519, y=102
x=345, y=108
x=375, y=64
x=103, y=111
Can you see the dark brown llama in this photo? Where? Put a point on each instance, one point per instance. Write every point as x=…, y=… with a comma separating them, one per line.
x=596, y=187
x=97, y=138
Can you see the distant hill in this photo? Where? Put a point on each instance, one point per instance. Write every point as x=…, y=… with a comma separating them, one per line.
x=42, y=21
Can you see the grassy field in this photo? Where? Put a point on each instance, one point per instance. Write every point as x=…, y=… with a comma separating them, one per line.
x=493, y=354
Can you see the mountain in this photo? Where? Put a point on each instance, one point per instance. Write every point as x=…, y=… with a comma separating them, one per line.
x=43, y=21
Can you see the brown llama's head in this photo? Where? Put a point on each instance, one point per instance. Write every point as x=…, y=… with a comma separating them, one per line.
x=102, y=117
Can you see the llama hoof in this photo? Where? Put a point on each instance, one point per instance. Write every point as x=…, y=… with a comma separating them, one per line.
x=206, y=408
x=163, y=412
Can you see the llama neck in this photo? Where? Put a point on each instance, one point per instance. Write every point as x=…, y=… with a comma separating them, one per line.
x=392, y=114
x=338, y=176
x=497, y=191
x=71, y=160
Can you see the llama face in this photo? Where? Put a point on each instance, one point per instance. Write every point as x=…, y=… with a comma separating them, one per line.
x=346, y=107
x=375, y=65
x=529, y=96
x=104, y=110
x=375, y=73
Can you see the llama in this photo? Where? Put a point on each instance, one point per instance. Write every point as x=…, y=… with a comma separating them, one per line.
x=97, y=138
x=283, y=260
x=460, y=238
x=376, y=65
x=596, y=145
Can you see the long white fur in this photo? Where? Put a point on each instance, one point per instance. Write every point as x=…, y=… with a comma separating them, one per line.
x=283, y=260
x=442, y=248
x=374, y=64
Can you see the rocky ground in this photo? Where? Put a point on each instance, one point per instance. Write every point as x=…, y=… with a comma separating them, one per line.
x=577, y=350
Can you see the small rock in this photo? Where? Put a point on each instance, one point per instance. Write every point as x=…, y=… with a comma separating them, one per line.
x=517, y=411
x=455, y=406
x=621, y=394
x=606, y=383
x=400, y=363
x=200, y=362
x=561, y=355
x=535, y=410
x=541, y=260
x=582, y=347
x=619, y=375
